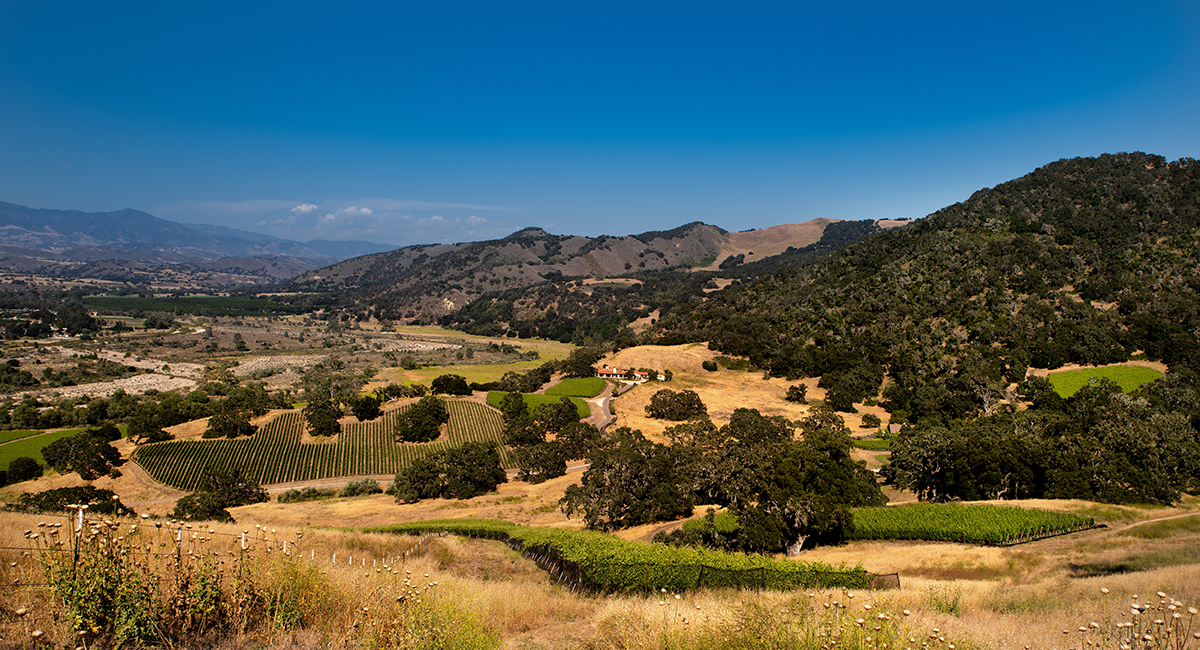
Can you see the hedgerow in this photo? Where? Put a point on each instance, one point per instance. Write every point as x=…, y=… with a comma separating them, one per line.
x=600, y=562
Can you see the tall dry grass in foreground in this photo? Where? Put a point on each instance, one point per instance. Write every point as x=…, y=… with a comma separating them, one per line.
x=136, y=583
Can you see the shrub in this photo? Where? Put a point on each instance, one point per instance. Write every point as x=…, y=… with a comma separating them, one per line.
x=361, y=487
x=871, y=421
x=797, y=393
x=99, y=501
x=710, y=366
x=303, y=494
x=23, y=468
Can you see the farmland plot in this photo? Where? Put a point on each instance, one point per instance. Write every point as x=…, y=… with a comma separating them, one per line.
x=275, y=453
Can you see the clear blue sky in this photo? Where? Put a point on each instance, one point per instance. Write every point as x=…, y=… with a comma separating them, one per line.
x=407, y=122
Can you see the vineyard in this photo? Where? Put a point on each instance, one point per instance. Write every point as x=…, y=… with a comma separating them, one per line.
x=593, y=561
x=275, y=453
x=971, y=524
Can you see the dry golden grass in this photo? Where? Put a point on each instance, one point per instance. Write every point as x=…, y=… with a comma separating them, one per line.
x=721, y=391
x=974, y=596
x=765, y=242
x=516, y=501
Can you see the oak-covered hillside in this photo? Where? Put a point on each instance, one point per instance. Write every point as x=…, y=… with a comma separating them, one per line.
x=572, y=309
x=1088, y=260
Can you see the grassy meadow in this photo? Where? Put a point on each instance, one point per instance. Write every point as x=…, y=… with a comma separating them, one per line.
x=30, y=444
x=1068, y=382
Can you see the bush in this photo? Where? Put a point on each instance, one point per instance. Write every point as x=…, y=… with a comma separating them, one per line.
x=710, y=366
x=98, y=501
x=797, y=393
x=23, y=468
x=361, y=487
x=303, y=494
x=871, y=421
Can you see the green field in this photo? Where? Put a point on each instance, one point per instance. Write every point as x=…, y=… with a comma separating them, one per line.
x=971, y=524
x=30, y=446
x=873, y=444
x=534, y=400
x=17, y=434
x=581, y=387
x=1129, y=378
x=275, y=453
x=600, y=562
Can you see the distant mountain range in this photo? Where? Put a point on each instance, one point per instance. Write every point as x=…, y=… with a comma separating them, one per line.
x=423, y=283
x=71, y=235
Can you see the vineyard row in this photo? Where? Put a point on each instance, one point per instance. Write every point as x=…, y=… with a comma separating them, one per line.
x=276, y=453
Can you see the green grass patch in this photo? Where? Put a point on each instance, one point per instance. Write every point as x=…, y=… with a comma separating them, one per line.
x=1129, y=378
x=1165, y=528
x=534, y=400
x=31, y=446
x=725, y=522
x=971, y=524
x=17, y=434
x=579, y=387
x=873, y=444
x=599, y=562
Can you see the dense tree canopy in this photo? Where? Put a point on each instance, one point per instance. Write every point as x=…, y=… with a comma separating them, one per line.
x=1082, y=261
x=88, y=453
x=462, y=472
x=322, y=418
x=1100, y=445
x=422, y=422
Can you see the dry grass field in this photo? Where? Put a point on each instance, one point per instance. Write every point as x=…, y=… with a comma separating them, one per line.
x=972, y=597
x=722, y=391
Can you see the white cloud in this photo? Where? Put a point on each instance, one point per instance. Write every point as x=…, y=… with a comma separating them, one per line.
x=398, y=205
x=474, y=220
x=352, y=211
x=303, y=208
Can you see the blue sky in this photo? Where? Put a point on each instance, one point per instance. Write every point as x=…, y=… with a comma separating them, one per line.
x=452, y=121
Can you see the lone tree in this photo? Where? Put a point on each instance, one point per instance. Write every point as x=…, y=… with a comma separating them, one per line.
x=322, y=417
x=422, y=422
x=87, y=453
x=366, y=407
x=230, y=424
x=463, y=472
x=798, y=394
x=667, y=404
x=450, y=385
x=219, y=490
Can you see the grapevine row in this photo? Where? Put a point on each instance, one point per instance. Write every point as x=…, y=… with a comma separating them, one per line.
x=277, y=454
x=972, y=524
x=599, y=562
